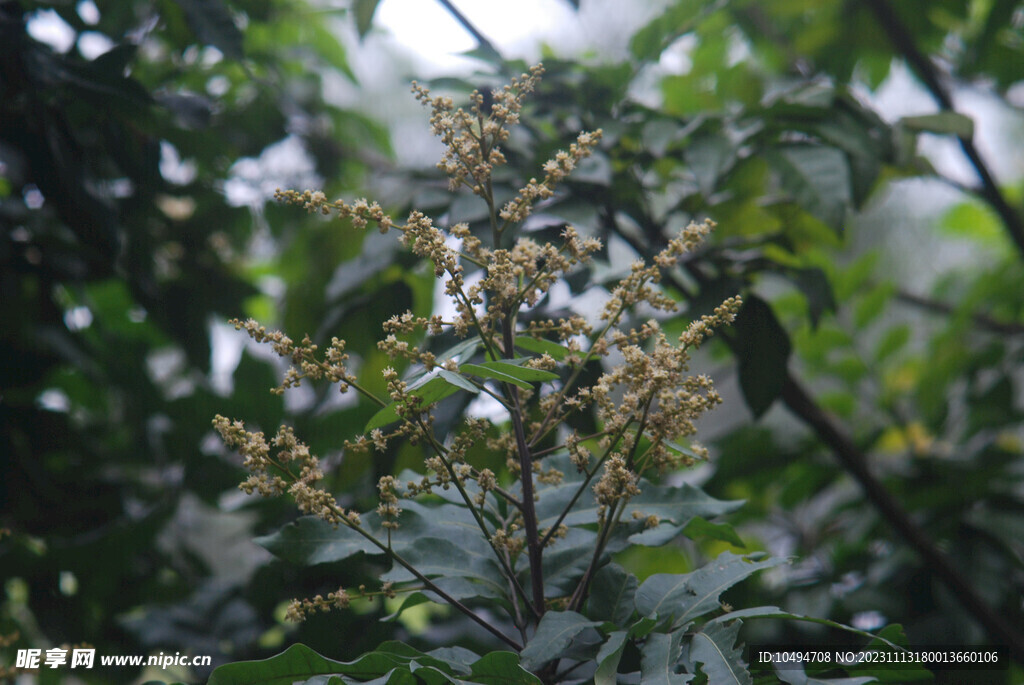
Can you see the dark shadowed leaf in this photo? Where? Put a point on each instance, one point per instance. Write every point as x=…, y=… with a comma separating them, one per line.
x=762, y=348
x=555, y=632
x=213, y=24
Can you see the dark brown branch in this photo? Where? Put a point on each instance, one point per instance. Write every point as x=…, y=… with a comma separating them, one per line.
x=533, y=546
x=903, y=41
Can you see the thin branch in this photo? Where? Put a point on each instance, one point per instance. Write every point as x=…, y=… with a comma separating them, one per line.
x=981, y=320
x=468, y=25
x=903, y=41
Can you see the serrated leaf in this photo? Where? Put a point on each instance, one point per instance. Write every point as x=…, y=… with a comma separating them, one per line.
x=658, y=658
x=714, y=648
x=685, y=597
x=942, y=123
x=762, y=351
x=557, y=352
x=555, y=632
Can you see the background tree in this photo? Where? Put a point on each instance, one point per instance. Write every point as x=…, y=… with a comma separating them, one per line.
x=872, y=389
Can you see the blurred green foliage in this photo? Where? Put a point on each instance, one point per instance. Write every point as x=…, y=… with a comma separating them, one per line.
x=113, y=268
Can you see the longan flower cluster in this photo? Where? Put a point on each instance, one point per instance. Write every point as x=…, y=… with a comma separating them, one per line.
x=472, y=139
x=304, y=362
x=300, y=609
x=293, y=469
x=360, y=212
x=515, y=211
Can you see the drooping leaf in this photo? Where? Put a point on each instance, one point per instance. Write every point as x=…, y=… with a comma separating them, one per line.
x=456, y=379
x=714, y=649
x=608, y=658
x=762, y=351
x=555, y=632
x=685, y=597
x=611, y=595
x=817, y=289
x=659, y=658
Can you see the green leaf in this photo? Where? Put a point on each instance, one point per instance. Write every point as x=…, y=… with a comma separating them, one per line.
x=818, y=178
x=817, y=289
x=658, y=658
x=608, y=658
x=762, y=351
x=310, y=540
x=364, y=11
x=793, y=674
x=942, y=123
x=555, y=632
x=557, y=352
x=495, y=374
x=434, y=556
x=892, y=341
x=611, y=595
x=649, y=42
x=523, y=373
x=297, y=664
x=714, y=648
x=702, y=528
x=508, y=373
x=501, y=668
x=213, y=24
x=684, y=597
x=456, y=379
x=674, y=507
x=435, y=389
